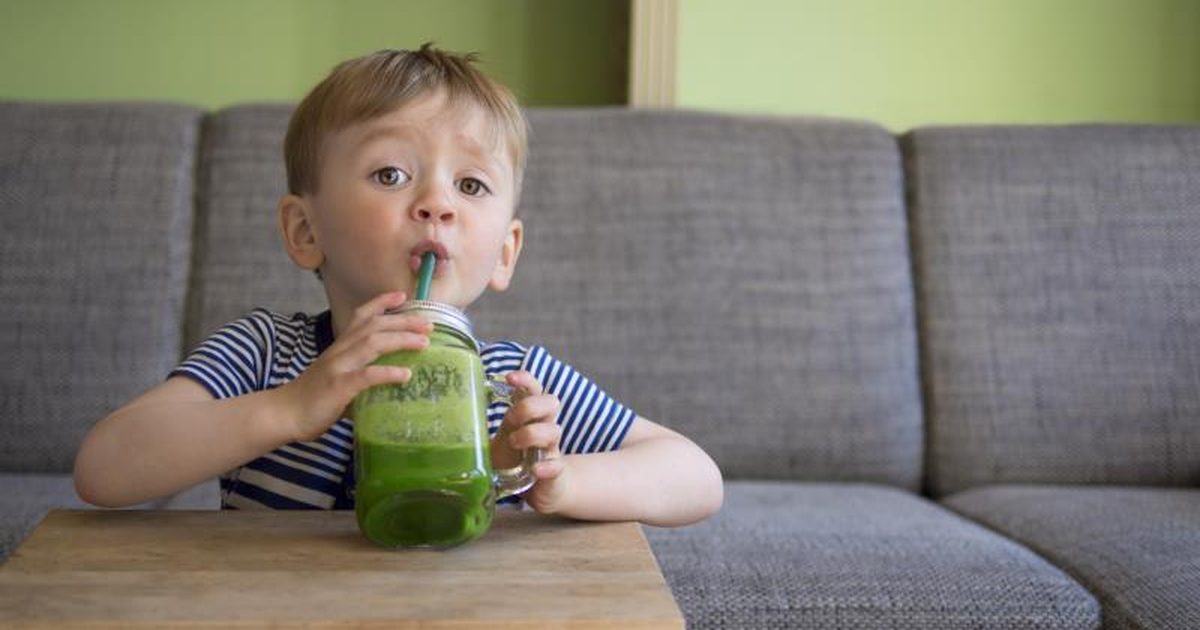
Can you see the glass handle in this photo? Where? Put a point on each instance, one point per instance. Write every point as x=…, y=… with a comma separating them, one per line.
x=518, y=479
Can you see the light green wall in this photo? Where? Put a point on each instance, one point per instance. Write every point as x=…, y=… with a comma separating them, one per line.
x=916, y=62
x=216, y=52
x=899, y=62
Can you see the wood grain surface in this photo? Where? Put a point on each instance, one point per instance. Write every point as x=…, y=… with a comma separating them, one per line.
x=211, y=568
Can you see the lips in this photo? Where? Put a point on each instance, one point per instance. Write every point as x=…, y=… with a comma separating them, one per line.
x=415, y=255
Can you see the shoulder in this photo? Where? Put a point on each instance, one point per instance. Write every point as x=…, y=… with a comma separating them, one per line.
x=257, y=351
x=293, y=327
x=507, y=356
x=282, y=323
x=555, y=375
x=264, y=324
x=264, y=333
x=502, y=356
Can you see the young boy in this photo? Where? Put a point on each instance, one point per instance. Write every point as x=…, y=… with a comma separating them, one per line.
x=393, y=155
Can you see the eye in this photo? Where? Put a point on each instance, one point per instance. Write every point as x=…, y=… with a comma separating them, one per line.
x=473, y=187
x=390, y=176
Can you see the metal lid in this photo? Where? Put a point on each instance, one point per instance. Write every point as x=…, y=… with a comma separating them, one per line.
x=440, y=313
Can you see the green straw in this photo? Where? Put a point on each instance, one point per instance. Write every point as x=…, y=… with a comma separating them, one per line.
x=425, y=278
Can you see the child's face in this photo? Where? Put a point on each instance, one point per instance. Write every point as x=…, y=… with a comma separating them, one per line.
x=426, y=176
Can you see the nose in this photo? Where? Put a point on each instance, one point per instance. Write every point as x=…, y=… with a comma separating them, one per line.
x=433, y=206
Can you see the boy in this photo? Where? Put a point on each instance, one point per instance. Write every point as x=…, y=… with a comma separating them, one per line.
x=393, y=155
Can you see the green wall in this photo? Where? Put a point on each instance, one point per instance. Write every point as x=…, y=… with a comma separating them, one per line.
x=899, y=62
x=216, y=52
x=915, y=62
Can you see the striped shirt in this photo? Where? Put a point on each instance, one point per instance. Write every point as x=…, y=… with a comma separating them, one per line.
x=266, y=349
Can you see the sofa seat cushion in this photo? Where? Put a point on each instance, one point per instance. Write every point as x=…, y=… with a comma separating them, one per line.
x=25, y=498
x=805, y=555
x=1136, y=549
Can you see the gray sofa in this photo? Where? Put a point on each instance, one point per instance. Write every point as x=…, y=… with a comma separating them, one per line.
x=952, y=378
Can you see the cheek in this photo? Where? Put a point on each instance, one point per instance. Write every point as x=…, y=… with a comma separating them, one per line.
x=352, y=213
x=497, y=232
x=483, y=253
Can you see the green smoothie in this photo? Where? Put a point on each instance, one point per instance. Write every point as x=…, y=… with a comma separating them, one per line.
x=424, y=478
x=427, y=495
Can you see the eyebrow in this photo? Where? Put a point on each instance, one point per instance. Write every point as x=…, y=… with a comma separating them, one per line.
x=399, y=133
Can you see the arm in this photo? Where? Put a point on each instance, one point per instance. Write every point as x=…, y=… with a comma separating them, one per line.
x=657, y=476
x=172, y=437
x=177, y=435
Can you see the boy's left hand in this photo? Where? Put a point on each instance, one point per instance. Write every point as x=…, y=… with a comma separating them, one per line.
x=531, y=422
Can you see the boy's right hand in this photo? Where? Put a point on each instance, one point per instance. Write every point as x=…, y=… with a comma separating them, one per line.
x=320, y=395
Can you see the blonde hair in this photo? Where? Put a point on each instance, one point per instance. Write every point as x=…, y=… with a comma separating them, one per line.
x=372, y=85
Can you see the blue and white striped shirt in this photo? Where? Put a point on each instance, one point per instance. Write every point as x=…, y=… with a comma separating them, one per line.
x=266, y=349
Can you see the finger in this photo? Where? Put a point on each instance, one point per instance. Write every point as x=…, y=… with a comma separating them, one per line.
x=536, y=410
x=386, y=323
x=381, y=343
x=533, y=409
x=365, y=315
x=524, y=381
x=402, y=321
x=540, y=435
x=548, y=469
x=352, y=356
x=373, y=375
x=378, y=305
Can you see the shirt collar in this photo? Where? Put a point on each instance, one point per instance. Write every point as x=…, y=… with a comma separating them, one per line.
x=323, y=329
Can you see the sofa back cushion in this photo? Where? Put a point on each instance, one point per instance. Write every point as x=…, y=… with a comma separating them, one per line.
x=95, y=233
x=742, y=280
x=745, y=281
x=240, y=259
x=1059, y=285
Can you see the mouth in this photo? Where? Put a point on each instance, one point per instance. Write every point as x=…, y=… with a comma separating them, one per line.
x=418, y=252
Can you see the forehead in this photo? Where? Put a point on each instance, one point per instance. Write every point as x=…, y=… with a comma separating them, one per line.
x=431, y=120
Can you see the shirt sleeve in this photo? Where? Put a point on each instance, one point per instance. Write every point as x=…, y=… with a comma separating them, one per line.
x=233, y=360
x=591, y=420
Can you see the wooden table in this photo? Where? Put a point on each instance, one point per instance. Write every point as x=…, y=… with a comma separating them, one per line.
x=313, y=569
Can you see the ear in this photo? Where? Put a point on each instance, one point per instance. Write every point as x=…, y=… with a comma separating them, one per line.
x=507, y=263
x=295, y=223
